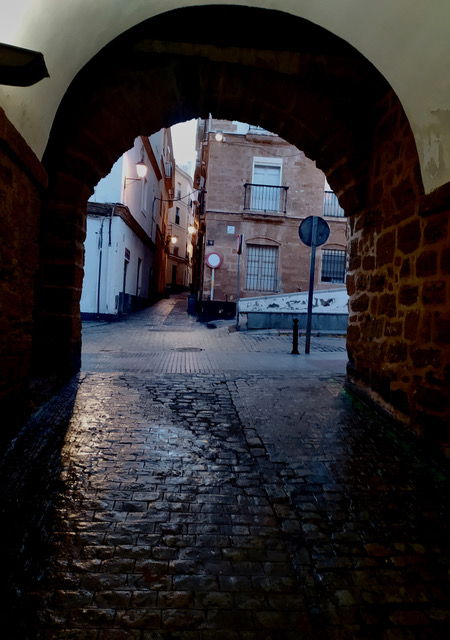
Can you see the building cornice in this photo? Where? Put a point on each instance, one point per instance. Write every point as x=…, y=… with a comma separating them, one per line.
x=120, y=210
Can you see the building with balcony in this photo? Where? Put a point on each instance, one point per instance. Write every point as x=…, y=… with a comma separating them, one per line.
x=253, y=183
x=181, y=231
x=126, y=246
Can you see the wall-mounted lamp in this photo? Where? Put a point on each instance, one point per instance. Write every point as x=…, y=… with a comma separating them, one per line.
x=191, y=229
x=21, y=67
x=173, y=239
x=141, y=170
x=219, y=136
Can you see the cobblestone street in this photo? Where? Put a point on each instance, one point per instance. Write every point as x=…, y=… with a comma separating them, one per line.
x=196, y=483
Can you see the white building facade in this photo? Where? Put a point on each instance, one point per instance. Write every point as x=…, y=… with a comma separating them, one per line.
x=126, y=244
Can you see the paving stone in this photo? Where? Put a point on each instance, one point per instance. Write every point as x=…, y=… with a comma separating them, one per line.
x=242, y=499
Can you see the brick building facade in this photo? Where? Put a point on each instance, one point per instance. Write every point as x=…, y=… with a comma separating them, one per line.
x=256, y=184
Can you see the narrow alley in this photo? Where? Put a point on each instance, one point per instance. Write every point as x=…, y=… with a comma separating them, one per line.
x=193, y=482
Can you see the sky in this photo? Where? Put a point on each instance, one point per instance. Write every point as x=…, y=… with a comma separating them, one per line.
x=183, y=139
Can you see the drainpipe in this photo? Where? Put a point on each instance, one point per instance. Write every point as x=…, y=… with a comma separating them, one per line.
x=100, y=251
x=209, y=128
x=113, y=211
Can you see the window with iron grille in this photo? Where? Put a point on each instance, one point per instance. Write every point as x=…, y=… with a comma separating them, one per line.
x=262, y=268
x=333, y=265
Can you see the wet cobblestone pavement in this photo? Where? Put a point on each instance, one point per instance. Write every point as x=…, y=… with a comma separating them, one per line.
x=241, y=503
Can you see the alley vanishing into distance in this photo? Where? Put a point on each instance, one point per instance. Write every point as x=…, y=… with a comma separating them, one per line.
x=197, y=483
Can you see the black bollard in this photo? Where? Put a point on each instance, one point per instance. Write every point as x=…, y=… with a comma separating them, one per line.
x=295, y=337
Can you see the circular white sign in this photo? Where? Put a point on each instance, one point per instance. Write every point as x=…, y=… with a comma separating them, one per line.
x=213, y=260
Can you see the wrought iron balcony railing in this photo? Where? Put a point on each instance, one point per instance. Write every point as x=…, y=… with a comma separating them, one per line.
x=261, y=197
x=331, y=206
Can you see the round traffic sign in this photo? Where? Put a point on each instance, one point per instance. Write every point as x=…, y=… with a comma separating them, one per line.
x=213, y=260
x=313, y=224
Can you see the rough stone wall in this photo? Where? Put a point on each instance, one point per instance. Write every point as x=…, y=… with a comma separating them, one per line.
x=57, y=341
x=398, y=280
x=22, y=180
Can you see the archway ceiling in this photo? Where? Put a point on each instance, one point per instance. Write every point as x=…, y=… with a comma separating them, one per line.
x=406, y=41
x=310, y=87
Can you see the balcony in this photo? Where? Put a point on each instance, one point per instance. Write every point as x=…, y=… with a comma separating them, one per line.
x=331, y=206
x=261, y=197
x=168, y=175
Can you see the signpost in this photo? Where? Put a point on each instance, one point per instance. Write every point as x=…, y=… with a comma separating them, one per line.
x=313, y=232
x=213, y=260
x=239, y=248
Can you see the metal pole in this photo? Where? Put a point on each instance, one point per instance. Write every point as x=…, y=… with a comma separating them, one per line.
x=237, y=295
x=212, y=284
x=295, y=338
x=311, y=283
x=100, y=252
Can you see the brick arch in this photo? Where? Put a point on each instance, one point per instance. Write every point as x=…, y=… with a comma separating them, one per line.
x=307, y=85
x=333, y=245
x=270, y=242
x=303, y=83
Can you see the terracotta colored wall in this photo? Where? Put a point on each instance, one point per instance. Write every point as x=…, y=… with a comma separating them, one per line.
x=229, y=165
x=22, y=180
x=294, y=257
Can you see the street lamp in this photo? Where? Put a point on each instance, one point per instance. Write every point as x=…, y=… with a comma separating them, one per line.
x=141, y=170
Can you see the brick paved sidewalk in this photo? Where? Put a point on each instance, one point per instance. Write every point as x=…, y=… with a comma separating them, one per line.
x=165, y=339
x=243, y=505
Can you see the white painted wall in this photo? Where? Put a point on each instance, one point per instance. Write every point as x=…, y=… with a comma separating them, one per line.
x=89, y=292
x=324, y=301
x=147, y=203
x=112, y=265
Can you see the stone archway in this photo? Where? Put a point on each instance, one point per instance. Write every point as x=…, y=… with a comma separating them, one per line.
x=318, y=93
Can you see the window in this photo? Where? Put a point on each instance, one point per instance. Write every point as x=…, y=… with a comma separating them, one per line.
x=331, y=206
x=333, y=265
x=262, y=266
x=266, y=175
x=177, y=215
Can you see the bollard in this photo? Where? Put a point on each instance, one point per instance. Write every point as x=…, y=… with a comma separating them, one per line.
x=295, y=337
